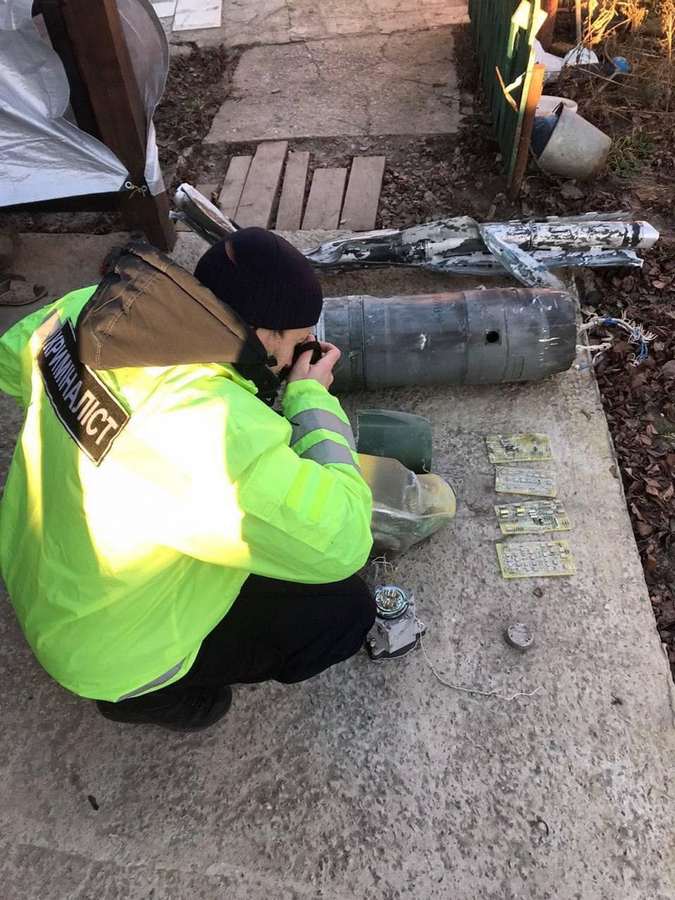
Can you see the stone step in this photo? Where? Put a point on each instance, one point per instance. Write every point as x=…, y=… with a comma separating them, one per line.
x=360, y=85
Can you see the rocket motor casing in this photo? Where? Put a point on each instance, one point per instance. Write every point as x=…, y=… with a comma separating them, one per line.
x=469, y=337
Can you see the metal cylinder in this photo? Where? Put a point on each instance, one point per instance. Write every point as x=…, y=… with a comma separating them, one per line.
x=470, y=337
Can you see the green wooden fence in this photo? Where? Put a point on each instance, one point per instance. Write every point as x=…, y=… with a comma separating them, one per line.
x=503, y=33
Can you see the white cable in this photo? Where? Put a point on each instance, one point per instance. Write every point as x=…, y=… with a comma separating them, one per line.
x=466, y=690
x=383, y=562
x=595, y=348
x=636, y=336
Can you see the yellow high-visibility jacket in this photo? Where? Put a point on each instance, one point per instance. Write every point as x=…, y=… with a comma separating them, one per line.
x=140, y=498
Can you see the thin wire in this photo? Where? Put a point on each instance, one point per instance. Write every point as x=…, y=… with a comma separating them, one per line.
x=382, y=567
x=637, y=336
x=383, y=562
x=466, y=690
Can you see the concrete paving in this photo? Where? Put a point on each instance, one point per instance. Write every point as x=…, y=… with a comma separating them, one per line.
x=247, y=22
x=401, y=83
x=376, y=782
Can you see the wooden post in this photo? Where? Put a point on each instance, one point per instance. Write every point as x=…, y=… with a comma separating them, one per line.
x=102, y=56
x=533, y=98
x=547, y=29
x=577, y=20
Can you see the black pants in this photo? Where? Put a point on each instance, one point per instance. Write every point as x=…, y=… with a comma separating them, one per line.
x=283, y=631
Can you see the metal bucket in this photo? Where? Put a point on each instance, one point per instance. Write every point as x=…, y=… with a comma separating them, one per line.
x=576, y=149
x=548, y=104
x=472, y=337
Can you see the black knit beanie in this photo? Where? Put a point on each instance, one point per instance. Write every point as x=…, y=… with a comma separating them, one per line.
x=271, y=284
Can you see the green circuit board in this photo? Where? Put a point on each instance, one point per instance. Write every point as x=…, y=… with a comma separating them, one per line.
x=532, y=517
x=528, y=482
x=530, y=447
x=535, y=559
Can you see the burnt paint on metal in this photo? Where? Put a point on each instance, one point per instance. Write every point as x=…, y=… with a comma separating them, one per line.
x=526, y=250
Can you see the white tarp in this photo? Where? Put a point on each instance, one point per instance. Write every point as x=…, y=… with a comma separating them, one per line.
x=43, y=156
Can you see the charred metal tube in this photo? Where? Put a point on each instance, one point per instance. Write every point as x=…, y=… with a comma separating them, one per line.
x=526, y=250
x=470, y=337
x=578, y=234
x=433, y=242
x=203, y=217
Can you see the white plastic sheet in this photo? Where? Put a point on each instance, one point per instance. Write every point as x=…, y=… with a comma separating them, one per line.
x=43, y=156
x=149, y=51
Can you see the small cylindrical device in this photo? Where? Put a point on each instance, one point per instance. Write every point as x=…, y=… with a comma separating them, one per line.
x=519, y=636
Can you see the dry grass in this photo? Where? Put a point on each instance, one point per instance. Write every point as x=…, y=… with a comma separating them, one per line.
x=600, y=20
x=635, y=12
x=606, y=17
x=637, y=102
x=630, y=153
x=667, y=15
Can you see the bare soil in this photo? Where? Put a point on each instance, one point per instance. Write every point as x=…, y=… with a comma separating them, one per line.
x=198, y=83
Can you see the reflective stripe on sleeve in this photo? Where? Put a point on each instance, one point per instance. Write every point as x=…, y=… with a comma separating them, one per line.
x=330, y=452
x=156, y=682
x=311, y=419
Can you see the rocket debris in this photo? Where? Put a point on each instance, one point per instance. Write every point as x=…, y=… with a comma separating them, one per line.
x=526, y=250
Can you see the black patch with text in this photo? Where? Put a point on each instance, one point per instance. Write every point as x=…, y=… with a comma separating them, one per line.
x=88, y=411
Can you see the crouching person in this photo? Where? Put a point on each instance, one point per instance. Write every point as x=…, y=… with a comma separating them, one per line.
x=164, y=533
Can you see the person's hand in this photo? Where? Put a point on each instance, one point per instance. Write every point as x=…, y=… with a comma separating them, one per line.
x=322, y=371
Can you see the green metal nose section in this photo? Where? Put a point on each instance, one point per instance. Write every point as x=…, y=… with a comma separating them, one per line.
x=399, y=435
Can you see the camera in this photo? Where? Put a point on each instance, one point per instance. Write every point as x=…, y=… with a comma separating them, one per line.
x=314, y=346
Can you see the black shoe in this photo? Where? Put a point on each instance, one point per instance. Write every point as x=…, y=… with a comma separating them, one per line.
x=185, y=709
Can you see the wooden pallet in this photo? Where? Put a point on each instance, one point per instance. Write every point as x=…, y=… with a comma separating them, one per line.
x=255, y=193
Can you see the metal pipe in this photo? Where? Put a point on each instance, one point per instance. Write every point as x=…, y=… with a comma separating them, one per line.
x=202, y=216
x=470, y=337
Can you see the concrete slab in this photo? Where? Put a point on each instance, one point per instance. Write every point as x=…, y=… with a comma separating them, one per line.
x=376, y=781
x=248, y=22
x=311, y=20
x=365, y=85
x=61, y=263
x=197, y=14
